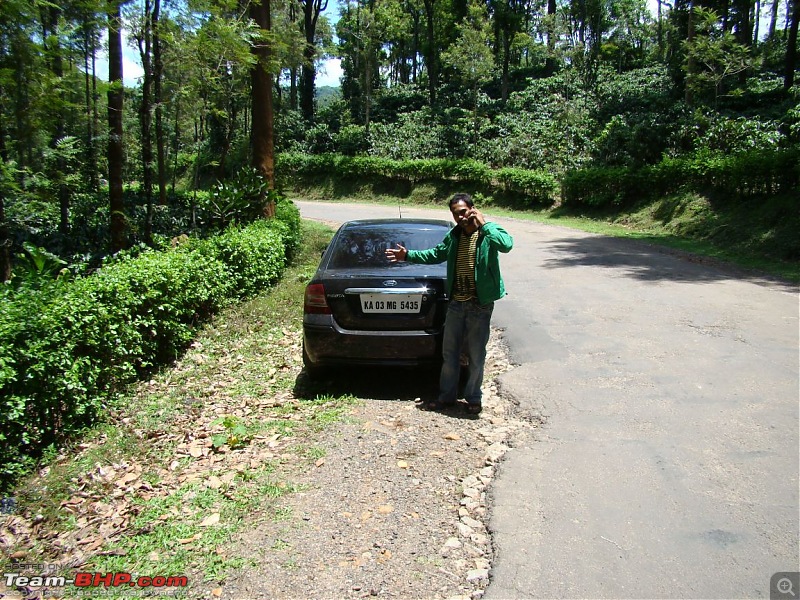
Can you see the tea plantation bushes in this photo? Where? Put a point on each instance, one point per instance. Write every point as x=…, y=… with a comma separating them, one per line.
x=730, y=176
x=532, y=188
x=67, y=346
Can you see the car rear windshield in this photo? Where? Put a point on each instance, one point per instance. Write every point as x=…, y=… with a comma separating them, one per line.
x=364, y=246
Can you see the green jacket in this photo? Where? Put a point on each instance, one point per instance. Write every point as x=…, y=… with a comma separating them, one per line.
x=488, y=281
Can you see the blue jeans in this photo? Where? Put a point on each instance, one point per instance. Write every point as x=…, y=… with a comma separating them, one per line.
x=466, y=325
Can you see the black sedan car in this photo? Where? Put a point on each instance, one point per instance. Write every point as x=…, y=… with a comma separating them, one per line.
x=360, y=309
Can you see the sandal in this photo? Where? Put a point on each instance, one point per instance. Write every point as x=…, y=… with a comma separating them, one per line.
x=436, y=405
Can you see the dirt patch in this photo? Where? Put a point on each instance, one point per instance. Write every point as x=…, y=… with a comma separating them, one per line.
x=395, y=508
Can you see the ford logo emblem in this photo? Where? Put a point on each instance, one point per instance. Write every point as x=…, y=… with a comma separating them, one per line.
x=390, y=283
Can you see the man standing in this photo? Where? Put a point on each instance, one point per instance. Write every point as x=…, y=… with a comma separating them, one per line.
x=473, y=284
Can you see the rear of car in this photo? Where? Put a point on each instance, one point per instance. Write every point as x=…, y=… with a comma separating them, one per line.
x=361, y=309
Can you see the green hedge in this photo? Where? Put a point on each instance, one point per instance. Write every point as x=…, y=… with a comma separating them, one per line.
x=535, y=187
x=67, y=346
x=736, y=176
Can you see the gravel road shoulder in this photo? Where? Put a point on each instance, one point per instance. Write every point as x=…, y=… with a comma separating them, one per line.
x=396, y=507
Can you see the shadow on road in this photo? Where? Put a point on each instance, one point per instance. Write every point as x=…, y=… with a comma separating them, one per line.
x=646, y=262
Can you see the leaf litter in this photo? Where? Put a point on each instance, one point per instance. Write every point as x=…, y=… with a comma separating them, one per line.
x=396, y=507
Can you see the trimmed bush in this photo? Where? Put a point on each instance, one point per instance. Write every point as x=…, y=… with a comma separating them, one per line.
x=67, y=347
x=536, y=187
x=737, y=176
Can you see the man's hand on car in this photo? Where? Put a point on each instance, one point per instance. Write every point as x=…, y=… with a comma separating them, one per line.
x=396, y=254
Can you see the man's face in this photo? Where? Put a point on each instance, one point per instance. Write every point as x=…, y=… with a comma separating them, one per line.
x=460, y=210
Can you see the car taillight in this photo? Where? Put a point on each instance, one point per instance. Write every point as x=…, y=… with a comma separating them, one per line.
x=314, y=302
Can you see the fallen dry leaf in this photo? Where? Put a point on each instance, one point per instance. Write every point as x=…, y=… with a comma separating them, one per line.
x=452, y=436
x=210, y=520
x=126, y=479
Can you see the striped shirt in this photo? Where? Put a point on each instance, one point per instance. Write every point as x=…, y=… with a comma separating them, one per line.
x=465, y=267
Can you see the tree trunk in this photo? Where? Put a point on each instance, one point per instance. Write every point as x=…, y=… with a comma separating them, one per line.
x=95, y=110
x=430, y=54
x=791, y=48
x=262, y=117
x=550, y=63
x=293, y=88
x=5, y=244
x=506, y=62
x=91, y=150
x=5, y=241
x=307, y=77
x=50, y=18
x=3, y=134
x=367, y=88
x=146, y=119
x=158, y=74
x=690, y=65
x=311, y=12
x=756, y=18
x=773, y=19
x=116, y=157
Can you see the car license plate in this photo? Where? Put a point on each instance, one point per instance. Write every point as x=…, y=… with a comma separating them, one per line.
x=391, y=303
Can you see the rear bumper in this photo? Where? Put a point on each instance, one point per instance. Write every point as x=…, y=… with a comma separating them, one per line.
x=326, y=343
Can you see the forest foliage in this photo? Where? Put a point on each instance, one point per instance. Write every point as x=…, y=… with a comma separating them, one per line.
x=520, y=86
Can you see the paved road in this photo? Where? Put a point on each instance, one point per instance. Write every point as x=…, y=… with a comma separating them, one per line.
x=667, y=462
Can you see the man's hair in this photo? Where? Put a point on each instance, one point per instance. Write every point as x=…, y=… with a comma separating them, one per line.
x=466, y=198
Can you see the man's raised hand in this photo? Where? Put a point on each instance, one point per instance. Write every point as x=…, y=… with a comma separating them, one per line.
x=396, y=254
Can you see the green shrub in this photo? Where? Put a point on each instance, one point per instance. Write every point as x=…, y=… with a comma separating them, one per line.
x=241, y=199
x=538, y=187
x=351, y=140
x=254, y=256
x=727, y=176
x=471, y=171
x=288, y=218
x=67, y=346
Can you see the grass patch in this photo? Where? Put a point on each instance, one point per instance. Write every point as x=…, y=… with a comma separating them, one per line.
x=204, y=449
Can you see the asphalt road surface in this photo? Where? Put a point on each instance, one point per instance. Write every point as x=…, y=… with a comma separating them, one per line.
x=667, y=462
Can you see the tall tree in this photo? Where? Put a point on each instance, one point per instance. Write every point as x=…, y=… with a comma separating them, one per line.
x=773, y=18
x=262, y=130
x=158, y=77
x=311, y=12
x=430, y=50
x=6, y=184
x=714, y=53
x=50, y=20
x=551, y=36
x=116, y=155
x=88, y=40
x=471, y=55
x=791, y=46
x=145, y=42
x=507, y=20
